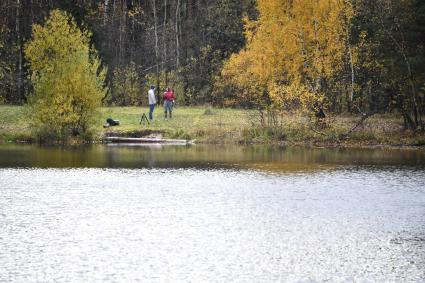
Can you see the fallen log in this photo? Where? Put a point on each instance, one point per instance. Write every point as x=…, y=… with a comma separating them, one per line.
x=148, y=140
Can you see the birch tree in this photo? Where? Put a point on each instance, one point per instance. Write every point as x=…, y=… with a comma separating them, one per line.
x=294, y=50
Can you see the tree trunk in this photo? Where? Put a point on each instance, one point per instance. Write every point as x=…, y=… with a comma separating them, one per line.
x=177, y=34
x=122, y=32
x=352, y=77
x=319, y=78
x=105, y=11
x=164, y=38
x=133, y=39
x=112, y=33
x=19, y=45
x=156, y=49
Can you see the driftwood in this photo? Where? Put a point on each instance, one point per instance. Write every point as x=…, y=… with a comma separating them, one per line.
x=148, y=140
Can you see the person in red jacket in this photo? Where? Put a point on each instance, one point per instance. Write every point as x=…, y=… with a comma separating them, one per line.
x=168, y=102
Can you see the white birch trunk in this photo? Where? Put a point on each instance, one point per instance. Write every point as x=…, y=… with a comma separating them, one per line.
x=156, y=48
x=177, y=35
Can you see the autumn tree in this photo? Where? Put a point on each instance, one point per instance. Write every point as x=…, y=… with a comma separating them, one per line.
x=66, y=76
x=294, y=52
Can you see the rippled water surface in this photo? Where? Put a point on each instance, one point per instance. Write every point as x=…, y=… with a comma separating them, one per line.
x=211, y=214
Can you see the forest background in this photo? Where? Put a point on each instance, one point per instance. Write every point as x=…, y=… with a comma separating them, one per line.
x=339, y=56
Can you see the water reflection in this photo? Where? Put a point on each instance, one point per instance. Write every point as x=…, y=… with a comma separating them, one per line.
x=202, y=156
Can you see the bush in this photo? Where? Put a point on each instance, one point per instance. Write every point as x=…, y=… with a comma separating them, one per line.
x=67, y=79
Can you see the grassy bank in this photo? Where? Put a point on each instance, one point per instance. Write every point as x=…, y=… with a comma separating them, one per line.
x=231, y=126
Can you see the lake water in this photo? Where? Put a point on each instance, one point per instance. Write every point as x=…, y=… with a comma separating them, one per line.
x=110, y=213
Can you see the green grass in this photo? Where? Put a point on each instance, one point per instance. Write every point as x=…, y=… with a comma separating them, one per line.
x=187, y=122
x=212, y=125
x=13, y=125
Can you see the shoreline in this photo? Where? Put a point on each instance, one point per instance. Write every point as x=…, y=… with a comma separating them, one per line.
x=314, y=145
x=227, y=126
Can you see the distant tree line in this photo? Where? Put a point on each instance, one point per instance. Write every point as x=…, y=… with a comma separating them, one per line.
x=359, y=56
x=178, y=42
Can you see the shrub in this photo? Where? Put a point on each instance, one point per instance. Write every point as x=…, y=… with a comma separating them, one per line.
x=67, y=78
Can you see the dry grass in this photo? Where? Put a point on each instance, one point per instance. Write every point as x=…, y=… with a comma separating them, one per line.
x=210, y=125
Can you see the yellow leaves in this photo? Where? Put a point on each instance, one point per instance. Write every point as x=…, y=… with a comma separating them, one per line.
x=291, y=48
x=55, y=40
x=250, y=28
x=66, y=75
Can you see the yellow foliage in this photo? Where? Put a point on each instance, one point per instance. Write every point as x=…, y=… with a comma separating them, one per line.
x=291, y=50
x=67, y=78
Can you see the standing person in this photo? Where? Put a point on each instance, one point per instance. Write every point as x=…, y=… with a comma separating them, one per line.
x=152, y=101
x=168, y=102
